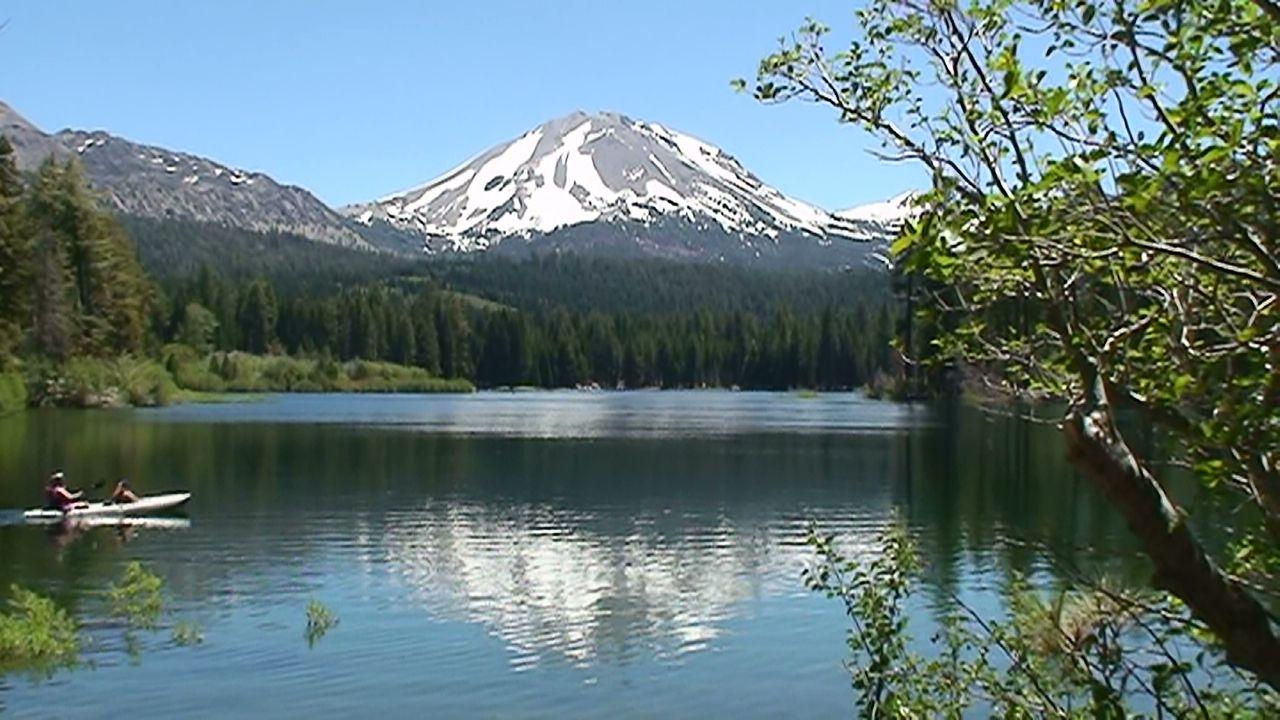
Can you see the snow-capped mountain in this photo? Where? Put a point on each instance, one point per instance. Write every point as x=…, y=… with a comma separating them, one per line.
x=608, y=182
x=888, y=213
x=882, y=221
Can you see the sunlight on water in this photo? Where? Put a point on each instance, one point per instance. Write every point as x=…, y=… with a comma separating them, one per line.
x=546, y=414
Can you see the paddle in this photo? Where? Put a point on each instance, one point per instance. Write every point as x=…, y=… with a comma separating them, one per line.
x=98, y=485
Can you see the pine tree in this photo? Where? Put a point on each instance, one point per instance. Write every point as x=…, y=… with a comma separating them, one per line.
x=87, y=262
x=51, y=322
x=424, y=331
x=198, y=327
x=15, y=257
x=404, y=345
x=257, y=317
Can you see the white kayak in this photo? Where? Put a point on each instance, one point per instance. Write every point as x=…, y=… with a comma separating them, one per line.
x=144, y=506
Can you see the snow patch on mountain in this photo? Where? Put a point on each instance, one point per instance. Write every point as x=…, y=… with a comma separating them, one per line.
x=892, y=211
x=880, y=223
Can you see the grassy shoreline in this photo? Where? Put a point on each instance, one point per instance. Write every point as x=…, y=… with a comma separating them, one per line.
x=186, y=376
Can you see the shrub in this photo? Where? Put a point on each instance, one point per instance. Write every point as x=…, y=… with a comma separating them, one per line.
x=320, y=619
x=13, y=392
x=94, y=382
x=1090, y=650
x=196, y=375
x=36, y=634
x=137, y=596
x=187, y=633
x=241, y=372
x=141, y=382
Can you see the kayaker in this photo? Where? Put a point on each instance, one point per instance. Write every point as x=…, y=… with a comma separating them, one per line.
x=57, y=496
x=123, y=493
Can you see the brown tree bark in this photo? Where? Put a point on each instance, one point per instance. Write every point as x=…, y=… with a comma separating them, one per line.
x=1241, y=623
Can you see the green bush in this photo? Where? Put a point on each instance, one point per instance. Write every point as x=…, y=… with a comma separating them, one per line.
x=137, y=597
x=1088, y=650
x=86, y=382
x=94, y=382
x=242, y=372
x=36, y=634
x=186, y=633
x=142, y=382
x=13, y=392
x=320, y=620
x=177, y=353
x=197, y=376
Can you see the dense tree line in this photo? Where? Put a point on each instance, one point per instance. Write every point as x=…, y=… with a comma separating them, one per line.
x=456, y=335
x=172, y=249
x=70, y=280
x=177, y=250
x=583, y=283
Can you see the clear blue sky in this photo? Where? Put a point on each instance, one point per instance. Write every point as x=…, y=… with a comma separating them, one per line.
x=353, y=100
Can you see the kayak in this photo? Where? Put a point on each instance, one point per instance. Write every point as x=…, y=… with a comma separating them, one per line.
x=144, y=506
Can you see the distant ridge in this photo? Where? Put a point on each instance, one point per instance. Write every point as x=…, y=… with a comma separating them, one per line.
x=153, y=182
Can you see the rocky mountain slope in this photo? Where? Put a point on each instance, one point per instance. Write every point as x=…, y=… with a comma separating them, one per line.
x=153, y=182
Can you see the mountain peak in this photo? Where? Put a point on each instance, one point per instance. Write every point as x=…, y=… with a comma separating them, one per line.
x=894, y=210
x=579, y=116
x=604, y=167
x=9, y=116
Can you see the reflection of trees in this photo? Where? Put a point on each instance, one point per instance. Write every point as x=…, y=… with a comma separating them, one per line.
x=576, y=548
x=995, y=492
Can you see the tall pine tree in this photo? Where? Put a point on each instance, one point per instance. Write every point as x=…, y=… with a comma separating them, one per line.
x=15, y=258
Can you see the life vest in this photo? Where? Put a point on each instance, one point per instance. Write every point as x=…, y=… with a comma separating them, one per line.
x=54, y=499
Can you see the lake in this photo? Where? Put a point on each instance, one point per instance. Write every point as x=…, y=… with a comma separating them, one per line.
x=539, y=554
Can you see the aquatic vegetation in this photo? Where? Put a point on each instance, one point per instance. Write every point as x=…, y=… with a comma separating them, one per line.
x=137, y=596
x=186, y=633
x=320, y=620
x=36, y=634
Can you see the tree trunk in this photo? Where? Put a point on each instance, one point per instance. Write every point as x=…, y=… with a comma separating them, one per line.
x=1096, y=448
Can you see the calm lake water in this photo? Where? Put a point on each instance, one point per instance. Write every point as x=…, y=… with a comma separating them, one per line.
x=535, y=555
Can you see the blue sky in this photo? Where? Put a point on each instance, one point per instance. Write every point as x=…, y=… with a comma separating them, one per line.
x=357, y=99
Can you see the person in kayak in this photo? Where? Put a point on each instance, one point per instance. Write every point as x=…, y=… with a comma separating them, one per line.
x=123, y=493
x=58, y=497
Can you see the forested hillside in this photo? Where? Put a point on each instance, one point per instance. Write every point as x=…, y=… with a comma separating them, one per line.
x=174, y=250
